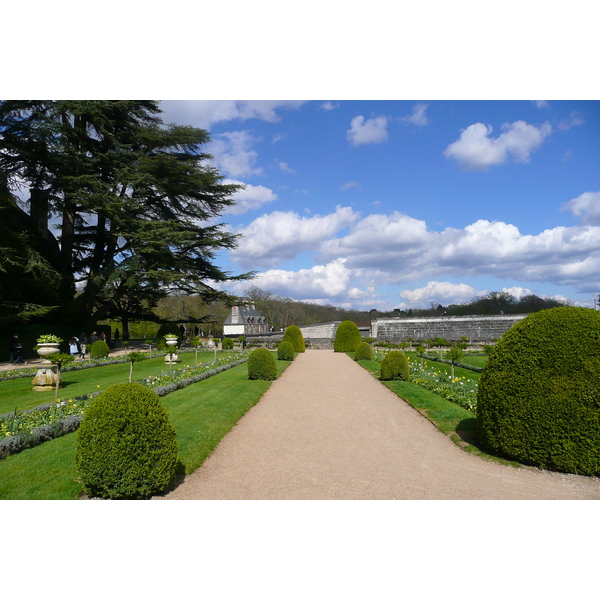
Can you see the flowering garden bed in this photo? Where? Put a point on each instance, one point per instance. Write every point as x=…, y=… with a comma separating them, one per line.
x=28, y=428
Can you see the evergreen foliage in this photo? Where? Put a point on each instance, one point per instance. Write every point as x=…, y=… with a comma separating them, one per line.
x=137, y=201
x=126, y=446
x=293, y=334
x=262, y=365
x=347, y=337
x=363, y=352
x=395, y=366
x=227, y=344
x=99, y=349
x=539, y=394
x=285, y=351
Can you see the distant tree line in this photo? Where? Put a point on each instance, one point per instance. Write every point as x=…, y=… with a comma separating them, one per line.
x=281, y=312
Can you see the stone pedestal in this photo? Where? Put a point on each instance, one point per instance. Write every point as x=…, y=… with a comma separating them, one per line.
x=45, y=379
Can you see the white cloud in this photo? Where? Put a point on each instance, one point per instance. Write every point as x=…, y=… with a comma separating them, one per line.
x=517, y=292
x=349, y=185
x=541, y=103
x=278, y=137
x=586, y=206
x=231, y=152
x=285, y=168
x=320, y=281
x=476, y=150
x=372, y=131
x=203, y=113
x=418, y=116
x=329, y=106
x=250, y=198
x=573, y=120
x=280, y=236
x=440, y=292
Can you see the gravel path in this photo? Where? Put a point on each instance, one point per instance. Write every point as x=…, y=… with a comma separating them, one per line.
x=327, y=430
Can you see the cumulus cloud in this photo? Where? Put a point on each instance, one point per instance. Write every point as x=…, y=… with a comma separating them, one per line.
x=371, y=131
x=280, y=236
x=321, y=281
x=476, y=150
x=542, y=103
x=250, y=198
x=418, y=116
x=329, y=105
x=203, y=113
x=586, y=207
x=442, y=292
x=231, y=151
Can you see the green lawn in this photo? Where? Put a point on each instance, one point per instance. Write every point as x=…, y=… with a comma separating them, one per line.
x=19, y=394
x=439, y=366
x=201, y=414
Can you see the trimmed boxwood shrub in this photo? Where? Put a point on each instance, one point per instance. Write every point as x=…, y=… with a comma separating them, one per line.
x=539, y=394
x=262, y=365
x=227, y=344
x=285, y=351
x=126, y=446
x=395, y=366
x=347, y=337
x=293, y=334
x=363, y=352
x=99, y=349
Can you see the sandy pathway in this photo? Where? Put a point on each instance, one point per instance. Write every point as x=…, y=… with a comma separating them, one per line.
x=328, y=430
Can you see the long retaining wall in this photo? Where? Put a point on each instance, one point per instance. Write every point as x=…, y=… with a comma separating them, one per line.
x=477, y=328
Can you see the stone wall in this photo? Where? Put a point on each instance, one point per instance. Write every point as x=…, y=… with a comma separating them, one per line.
x=477, y=328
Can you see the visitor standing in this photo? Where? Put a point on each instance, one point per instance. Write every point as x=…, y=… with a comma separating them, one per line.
x=117, y=335
x=73, y=347
x=15, y=349
x=102, y=336
x=93, y=337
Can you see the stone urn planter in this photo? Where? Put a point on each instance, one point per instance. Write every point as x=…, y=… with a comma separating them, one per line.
x=171, y=355
x=46, y=349
x=45, y=378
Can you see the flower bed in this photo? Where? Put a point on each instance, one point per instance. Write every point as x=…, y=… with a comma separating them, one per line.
x=28, y=428
x=460, y=390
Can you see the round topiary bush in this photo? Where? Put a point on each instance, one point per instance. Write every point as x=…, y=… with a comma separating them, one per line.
x=539, y=394
x=99, y=349
x=227, y=344
x=293, y=334
x=347, y=337
x=125, y=446
x=285, y=351
x=395, y=366
x=262, y=365
x=363, y=352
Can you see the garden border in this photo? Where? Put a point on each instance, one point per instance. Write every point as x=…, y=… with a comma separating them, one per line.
x=14, y=444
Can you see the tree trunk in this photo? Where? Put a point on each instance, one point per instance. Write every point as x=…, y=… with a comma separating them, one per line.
x=125, y=326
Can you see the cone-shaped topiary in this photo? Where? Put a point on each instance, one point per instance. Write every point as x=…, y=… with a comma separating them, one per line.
x=347, y=337
x=262, y=365
x=363, y=352
x=99, y=349
x=285, y=351
x=395, y=366
x=538, y=399
x=126, y=446
x=293, y=334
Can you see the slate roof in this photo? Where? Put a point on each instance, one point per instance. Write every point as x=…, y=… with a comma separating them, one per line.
x=243, y=312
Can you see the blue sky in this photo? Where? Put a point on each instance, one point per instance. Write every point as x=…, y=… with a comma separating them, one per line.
x=386, y=204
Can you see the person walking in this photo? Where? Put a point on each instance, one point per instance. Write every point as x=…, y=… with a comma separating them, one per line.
x=15, y=349
x=83, y=344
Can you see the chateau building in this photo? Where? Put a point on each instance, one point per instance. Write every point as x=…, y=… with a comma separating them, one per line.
x=244, y=320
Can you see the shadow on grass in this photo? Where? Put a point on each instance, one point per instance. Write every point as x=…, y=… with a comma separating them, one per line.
x=468, y=432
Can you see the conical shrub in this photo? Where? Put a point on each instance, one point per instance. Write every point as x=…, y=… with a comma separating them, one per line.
x=293, y=334
x=347, y=337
